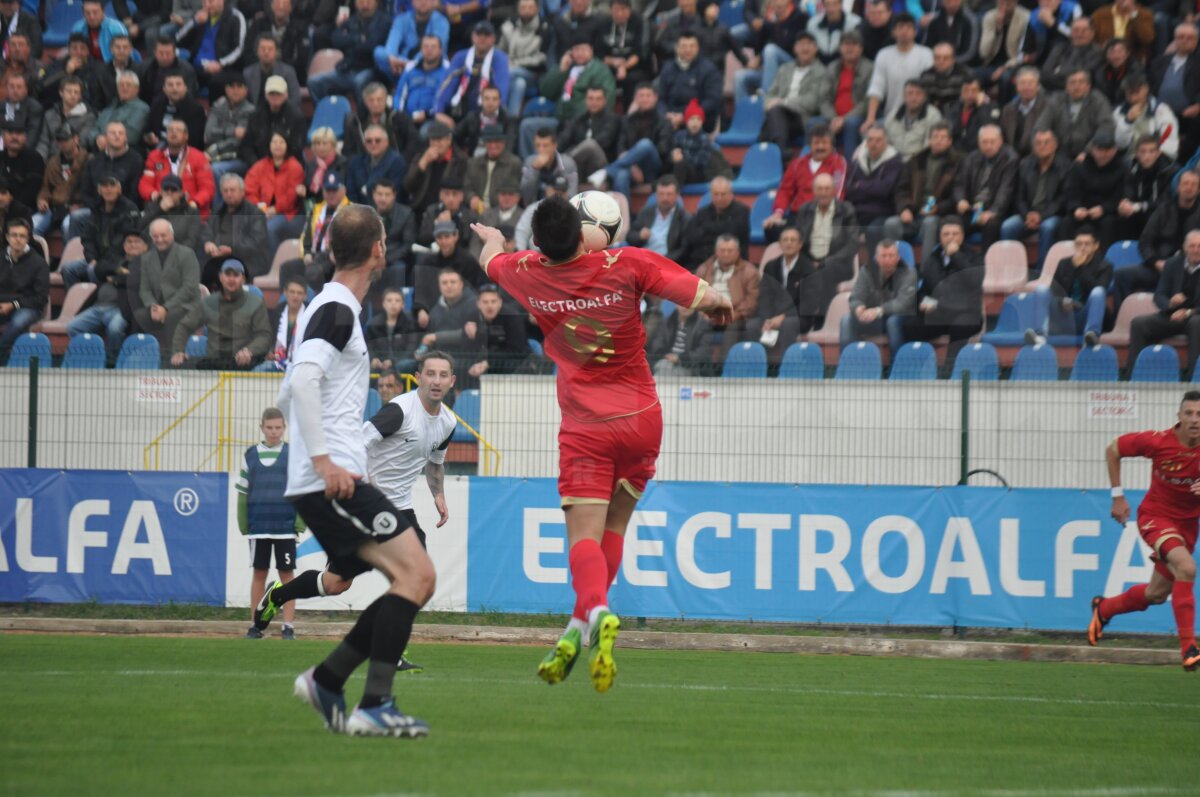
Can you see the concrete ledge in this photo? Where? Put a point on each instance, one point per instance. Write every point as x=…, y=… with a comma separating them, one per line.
x=634, y=638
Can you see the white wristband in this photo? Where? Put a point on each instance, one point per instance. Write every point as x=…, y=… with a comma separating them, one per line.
x=1117, y=492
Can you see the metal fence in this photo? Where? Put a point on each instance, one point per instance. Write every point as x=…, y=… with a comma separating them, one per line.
x=716, y=429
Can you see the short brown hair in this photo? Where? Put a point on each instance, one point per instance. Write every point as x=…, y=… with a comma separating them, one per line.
x=271, y=414
x=353, y=233
x=434, y=355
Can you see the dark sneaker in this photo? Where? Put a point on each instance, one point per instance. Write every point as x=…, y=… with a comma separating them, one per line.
x=407, y=666
x=266, y=608
x=1096, y=626
x=1191, y=659
x=1033, y=338
x=330, y=705
x=1091, y=338
x=288, y=632
x=253, y=633
x=385, y=720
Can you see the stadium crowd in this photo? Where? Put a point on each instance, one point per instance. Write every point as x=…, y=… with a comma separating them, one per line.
x=175, y=151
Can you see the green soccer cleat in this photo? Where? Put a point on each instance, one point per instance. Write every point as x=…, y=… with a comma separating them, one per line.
x=558, y=662
x=266, y=608
x=600, y=660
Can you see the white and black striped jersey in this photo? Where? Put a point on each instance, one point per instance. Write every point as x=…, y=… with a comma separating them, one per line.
x=328, y=334
x=400, y=439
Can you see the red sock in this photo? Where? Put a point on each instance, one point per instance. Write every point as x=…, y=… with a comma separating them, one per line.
x=588, y=572
x=1183, y=602
x=613, y=546
x=1131, y=600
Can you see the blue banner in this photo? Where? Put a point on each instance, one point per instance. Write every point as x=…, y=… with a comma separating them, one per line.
x=112, y=536
x=968, y=556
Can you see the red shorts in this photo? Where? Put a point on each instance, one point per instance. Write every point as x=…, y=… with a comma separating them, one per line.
x=1159, y=531
x=597, y=459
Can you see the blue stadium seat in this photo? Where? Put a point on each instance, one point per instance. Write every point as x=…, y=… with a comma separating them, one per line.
x=748, y=116
x=906, y=253
x=666, y=308
x=1016, y=316
x=467, y=407
x=197, y=346
x=731, y=13
x=255, y=290
x=705, y=200
x=746, y=360
x=139, y=352
x=1035, y=364
x=1096, y=364
x=85, y=351
x=979, y=359
x=759, y=212
x=694, y=189
x=916, y=362
x=536, y=346
x=1124, y=254
x=330, y=112
x=374, y=404
x=1156, y=364
x=61, y=17
x=859, y=361
x=28, y=346
x=408, y=299
x=761, y=170
x=802, y=361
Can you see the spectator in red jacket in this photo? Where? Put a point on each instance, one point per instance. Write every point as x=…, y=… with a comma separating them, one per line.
x=190, y=165
x=276, y=185
x=797, y=185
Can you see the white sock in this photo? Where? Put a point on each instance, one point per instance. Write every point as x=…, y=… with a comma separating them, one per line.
x=594, y=614
x=579, y=625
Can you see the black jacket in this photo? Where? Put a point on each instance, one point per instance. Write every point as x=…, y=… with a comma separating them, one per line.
x=957, y=288
x=651, y=125
x=675, y=233
x=1089, y=185
x=245, y=230
x=965, y=128
x=400, y=227
x=605, y=129
x=294, y=45
x=25, y=281
x=188, y=111
x=1027, y=182
x=999, y=187
x=1164, y=232
x=263, y=124
x=401, y=135
x=230, y=41
x=700, y=235
x=425, y=282
x=1144, y=187
x=127, y=168
x=397, y=344
x=1191, y=74
x=1171, y=283
x=467, y=131
x=152, y=77
x=774, y=297
x=24, y=174
x=1096, y=273
x=103, y=234
x=503, y=342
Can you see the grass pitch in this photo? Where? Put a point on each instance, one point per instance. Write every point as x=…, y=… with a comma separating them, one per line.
x=158, y=716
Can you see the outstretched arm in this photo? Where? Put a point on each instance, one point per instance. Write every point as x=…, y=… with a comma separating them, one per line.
x=1120, y=507
x=493, y=243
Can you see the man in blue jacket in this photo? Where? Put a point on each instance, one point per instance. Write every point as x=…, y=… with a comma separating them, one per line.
x=690, y=77
x=403, y=44
x=378, y=161
x=417, y=91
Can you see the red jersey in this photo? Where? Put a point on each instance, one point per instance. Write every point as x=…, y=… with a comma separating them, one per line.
x=1176, y=468
x=589, y=310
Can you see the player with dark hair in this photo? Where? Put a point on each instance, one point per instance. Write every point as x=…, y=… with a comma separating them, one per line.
x=1167, y=520
x=408, y=436
x=588, y=308
x=325, y=391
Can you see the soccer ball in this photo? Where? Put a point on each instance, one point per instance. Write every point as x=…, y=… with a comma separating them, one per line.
x=601, y=217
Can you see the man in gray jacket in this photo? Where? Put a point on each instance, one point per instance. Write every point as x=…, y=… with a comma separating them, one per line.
x=226, y=125
x=450, y=315
x=1078, y=114
x=168, y=280
x=239, y=332
x=884, y=296
x=801, y=90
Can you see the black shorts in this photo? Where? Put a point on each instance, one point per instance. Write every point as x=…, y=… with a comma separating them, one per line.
x=285, y=553
x=342, y=526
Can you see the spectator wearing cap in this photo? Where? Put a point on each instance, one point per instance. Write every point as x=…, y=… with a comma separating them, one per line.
x=19, y=107
x=77, y=62
x=322, y=159
x=622, y=48
x=957, y=26
x=506, y=212
x=60, y=182
x=176, y=103
x=472, y=69
x=274, y=116
x=545, y=166
x=357, y=37
x=692, y=150
x=228, y=121
x=591, y=138
x=523, y=234
x=1093, y=191
x=239, y=332
x=525, y=39
x=269, y=65
x=103, y=234
x=110, y=314
x=403, y=45
x=566, y=85
x=276, y=186
x=800, y=91
x=376, y=162
x=1142, y=115
x=24, y=283
x=16, y=20
x=21, y=167
x=491, y=114
x=173, y=206
x=487, y=172
x=400, y=231
x=659, y=226
x=288, y=31
x=165, y=60
x=374, y=110
x=187, y=163
x=1077, y=114
x=449, y=254
x=168, y=285
x=238, y=229
x=440, y=161
x=465, y=16
x=216, y=38
x=689, y=77
x=417, y=90
x=70, y=111
x=314, y=264
x=128, y=109
x=450, y=207
x=1162, y=236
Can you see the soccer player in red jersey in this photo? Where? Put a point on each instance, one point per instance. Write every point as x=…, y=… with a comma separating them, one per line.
x=1167, y=522
x=588, y=308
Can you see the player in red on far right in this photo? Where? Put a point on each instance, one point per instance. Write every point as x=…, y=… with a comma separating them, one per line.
x=1167, y=520
x=588, y=306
